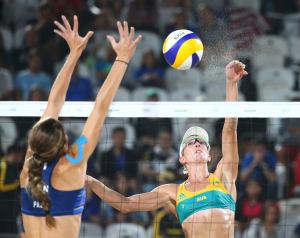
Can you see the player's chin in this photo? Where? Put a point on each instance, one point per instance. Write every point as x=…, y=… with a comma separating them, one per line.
x=201, y=157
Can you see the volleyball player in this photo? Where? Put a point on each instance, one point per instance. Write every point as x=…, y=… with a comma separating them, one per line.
x=53, y=176
x=205, y=203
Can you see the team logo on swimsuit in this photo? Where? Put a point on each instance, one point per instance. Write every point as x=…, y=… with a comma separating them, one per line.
x=181, y=196
x=216, y=183
x=201, y=198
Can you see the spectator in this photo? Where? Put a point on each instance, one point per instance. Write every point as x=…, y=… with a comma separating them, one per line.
x=36, y=94
x=290, y=135
x=143, y=14
x=296, y=233
x=44, y=24
x=147, y=129
x=96, y=211
x=245, y=25
x=213, y=30
x=162, y=156
x=115, y=7
x=123, y=185
x=214, y=33
x=260, y=165
x=80, y=88
x=10, y=167
x=6, y=39
x=251, y=205
x=33, y=76
x=28, y=39
x=149, y=73
x=104, y=24
x=267, y=226
x=59, y=7
x=105, y=21
x=44, y=28
x=291, y=22
x=296, y=184
x=13, y=95
x=23, y=12
x=105, y=58
x=180, y=21
x=118, y=158
x=5, y=79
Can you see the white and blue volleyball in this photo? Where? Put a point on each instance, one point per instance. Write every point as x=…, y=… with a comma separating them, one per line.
x=182, y=49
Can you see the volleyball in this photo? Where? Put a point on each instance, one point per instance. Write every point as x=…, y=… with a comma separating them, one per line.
x=182, y=49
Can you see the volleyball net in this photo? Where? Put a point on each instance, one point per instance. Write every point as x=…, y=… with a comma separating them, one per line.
x=151, y=132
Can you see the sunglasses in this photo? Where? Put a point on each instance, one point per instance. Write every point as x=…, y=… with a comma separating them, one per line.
x=193, y=142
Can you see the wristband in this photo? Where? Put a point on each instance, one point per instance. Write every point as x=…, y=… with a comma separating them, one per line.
x=123, y=61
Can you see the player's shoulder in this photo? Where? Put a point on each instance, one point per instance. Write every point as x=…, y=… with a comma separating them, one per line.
x=170, y=188
x=166, y=187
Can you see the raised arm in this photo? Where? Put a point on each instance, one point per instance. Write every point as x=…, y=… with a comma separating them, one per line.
x=228, y=166
x=76, y=45
x=150, y=201
x=124, y=49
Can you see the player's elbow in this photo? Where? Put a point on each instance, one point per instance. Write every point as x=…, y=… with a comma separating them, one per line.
x=125, y=210
x=127, y=206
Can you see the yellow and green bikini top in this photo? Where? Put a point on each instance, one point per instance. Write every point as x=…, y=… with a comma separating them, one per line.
x=214, y=195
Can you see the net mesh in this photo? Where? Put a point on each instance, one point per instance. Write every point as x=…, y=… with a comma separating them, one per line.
x=152, y=141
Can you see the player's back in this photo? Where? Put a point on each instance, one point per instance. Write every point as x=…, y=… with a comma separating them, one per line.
x=67, y=195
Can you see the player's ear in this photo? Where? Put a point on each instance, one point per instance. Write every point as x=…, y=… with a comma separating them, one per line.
x=182, y=160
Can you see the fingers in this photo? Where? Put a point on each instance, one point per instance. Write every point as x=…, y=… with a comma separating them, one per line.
x=66, y=23
x=111, y=40
x=137, y=41
x=238, y=66
x=131, y=35
x=88, y=36
x=60, y=26
x=59, y=33
x=126, y=31
x=236, y=62
x=120, y=29
x=75, y=27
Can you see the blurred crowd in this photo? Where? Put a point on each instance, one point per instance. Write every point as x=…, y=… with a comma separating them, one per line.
x=135, y=155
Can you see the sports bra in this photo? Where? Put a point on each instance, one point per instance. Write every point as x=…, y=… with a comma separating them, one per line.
x=214, y=195
x=62, y=202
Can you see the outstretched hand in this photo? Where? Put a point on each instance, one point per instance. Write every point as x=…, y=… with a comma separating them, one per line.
x=127, y=44
x=235, y=70
x=71, y=36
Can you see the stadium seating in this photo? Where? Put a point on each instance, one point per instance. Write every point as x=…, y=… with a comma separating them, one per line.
x=122, y=95
x=187, y=95
x=105, y=141
x=141, y=94
x=90, y=230
x=183, y=79
x=275, y=84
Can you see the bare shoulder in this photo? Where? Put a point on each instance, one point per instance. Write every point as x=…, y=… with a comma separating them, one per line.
x=170, y=189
